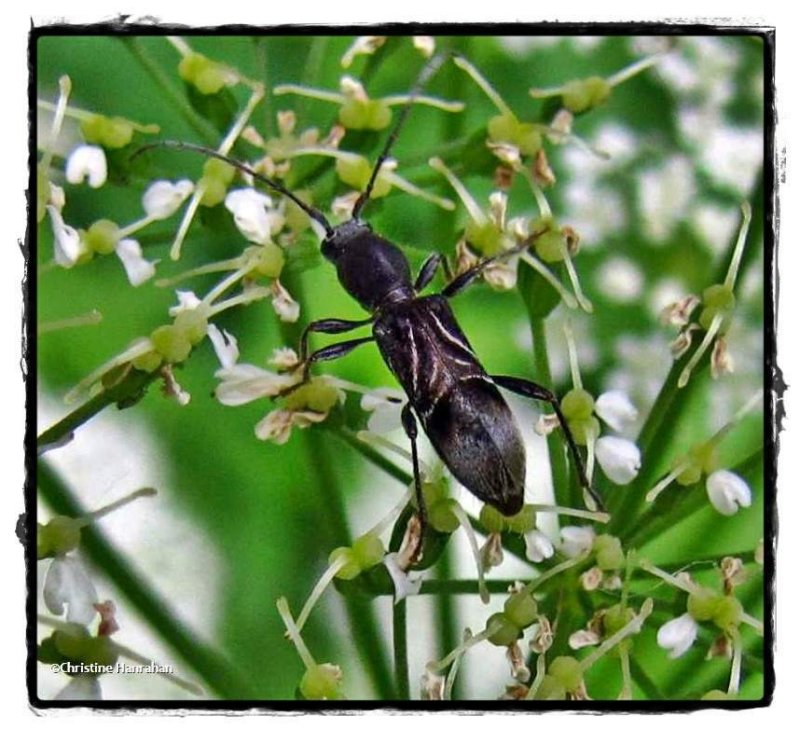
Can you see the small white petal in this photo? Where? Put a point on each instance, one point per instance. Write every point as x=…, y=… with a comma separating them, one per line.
x=163, y=198
x=276, y=426
x=619, y=458
x=425, y=44
x=137, y=267
x=677, y=635
x=244, y=383
x=386, y=405
x=403, y=585
x=538, y=546
x=87, y=161
x=249, y=209
x=727, y=492
x=287, y=309
x=81, y=687
x=186, y=300
x=616, y=409
x=225, y=346
x=68, y=246
x=284, y=358
x=68, y=585
x=576, y=540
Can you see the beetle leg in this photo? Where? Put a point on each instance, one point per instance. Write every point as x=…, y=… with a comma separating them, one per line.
x=428, y=271
x=463, y=280
x=331, y=352
x=529, y=389
x=410, y=427
x=330, y=326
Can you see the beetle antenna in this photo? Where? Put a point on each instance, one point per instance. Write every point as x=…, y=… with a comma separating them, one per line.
x=428, y=70
x=273, y=184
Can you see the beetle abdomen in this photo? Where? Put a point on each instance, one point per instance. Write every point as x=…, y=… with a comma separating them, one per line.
x=473, y=431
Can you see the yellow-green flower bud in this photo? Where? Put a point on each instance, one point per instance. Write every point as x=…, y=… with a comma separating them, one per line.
x=356, y=171
x=577, y=404
x=149, y=362
x=351, y=567
x=193, y=323
x=703, y=603
x=321, y=682
x=102, y=236
x=608, y=552
x=729, y=613
x=523, y=135
x=567, y=670
x=370, y=114
x=521, y=609
x=270, y=260
x=523, y=521
x=583, y=94
x=491, y=519
x=486, y=238
x=110, y=132
x=214, y=191
x=504, y=631
x=205, y=75
x=368, y=550
x=317, y=395
x=59, y=536
x=171, y=342
x=441, y=516
x=550, y=689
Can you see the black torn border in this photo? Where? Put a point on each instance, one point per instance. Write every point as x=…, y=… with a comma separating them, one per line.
x=774, y=384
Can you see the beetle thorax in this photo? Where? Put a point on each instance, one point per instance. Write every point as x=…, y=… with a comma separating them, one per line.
x=372, y=270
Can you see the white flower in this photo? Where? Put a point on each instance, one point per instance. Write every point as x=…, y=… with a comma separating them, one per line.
x=287, y=309
x=68, y=245
x=425, y=44
x=385, y=405
x=186, y=300
x=225, y=345
x=619, y=458
x=243, y=383
x=163, y=198
x=616, y=409
x=576, y=540
x=87, y=161
x=677, y=635
x=81, y=687
x=277, y=426
x=68, y=585
x=538, y=546
x=403, y=585
x=137, y=267
x=727, y=492
x=253, y=214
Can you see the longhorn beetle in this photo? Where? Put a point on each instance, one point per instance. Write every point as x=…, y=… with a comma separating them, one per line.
x=457, y=402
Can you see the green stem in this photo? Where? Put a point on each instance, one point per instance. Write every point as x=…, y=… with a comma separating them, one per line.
x=400, y=650
x=179, y=102
x=216, y=672
x=135, y=382
x=562, y=489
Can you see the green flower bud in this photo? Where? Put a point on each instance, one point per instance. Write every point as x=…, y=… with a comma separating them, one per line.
x=567, y=670
x=491, y=519
x=583, y=429
x=550, y=247
x=59, y=536
x=351, y=568
x=316, y=395
x=486, y=238
x=702, y=460
x=207, y=76
x=521, y=609
x=368, y=550
x=214, y=191
x=703, y=603
x=102, y=236
x=217, y=169
x=505, y=632
x=270, y=260
x=583, y=94
x=372, y=114
x=356, y=172
x=508, y=129
x=321, y=682
x=729, y=613
x=615, y=619
x=193, y=323
x=110, y=132
x=171, y=342
x=577, y=404
x=550, y=689
x=608, y=552
x=441, y=516
x=523, y=521
x=149, y=362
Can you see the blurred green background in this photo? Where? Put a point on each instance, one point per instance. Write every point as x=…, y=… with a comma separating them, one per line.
x=688, y=135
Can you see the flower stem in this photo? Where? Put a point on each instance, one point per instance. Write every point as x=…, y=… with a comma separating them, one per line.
x=400, y=642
